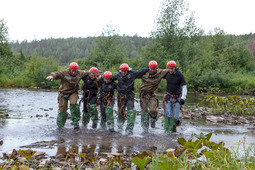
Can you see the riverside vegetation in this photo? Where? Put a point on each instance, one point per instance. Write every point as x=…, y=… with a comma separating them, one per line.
x=211, y=62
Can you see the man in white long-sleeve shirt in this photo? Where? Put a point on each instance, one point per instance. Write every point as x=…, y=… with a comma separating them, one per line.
x=176, y=92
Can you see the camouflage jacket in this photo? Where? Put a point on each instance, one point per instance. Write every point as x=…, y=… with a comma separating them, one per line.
x=150, y=82
x=69, y=84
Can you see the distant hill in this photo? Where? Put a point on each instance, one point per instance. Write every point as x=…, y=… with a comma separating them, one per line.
x=65, y=50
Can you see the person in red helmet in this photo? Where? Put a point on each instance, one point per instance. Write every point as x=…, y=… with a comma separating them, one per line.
x=106, y=99
x=68, y=91
x=125, y=88
x=176, y=92
x=148, y=100
x=89, y=98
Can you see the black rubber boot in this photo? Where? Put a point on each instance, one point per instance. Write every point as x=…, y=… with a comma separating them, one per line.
x=153, y=122
x=94, y=125
x=76, y=126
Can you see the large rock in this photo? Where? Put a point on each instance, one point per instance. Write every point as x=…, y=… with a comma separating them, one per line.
x=215, y=119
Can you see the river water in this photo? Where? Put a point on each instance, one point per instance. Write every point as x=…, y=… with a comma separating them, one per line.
x=31, y=124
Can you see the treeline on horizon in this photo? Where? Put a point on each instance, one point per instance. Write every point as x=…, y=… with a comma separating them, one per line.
x=211, y=62
x=65, y=50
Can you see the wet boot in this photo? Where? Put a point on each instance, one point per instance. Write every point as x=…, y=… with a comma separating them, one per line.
x=166, y=125
x=172, y=124
x=94, y=115
x=110, y=118
x=169, y=124
x=153, y=122
x=61, y=119
x=176, y=123
x=131, y=114
x=76, y=115
x=103, y=124
x=85, y=119
x=120, y=121
x=76, y=126
x=145, y=117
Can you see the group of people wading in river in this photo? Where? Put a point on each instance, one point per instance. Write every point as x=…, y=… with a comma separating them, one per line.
x=99, y=90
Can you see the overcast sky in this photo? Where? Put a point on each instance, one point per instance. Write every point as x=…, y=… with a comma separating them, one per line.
x=39, y=19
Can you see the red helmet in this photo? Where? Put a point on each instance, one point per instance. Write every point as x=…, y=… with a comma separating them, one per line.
x=73, y=65
x=94, y=69
x=153, y=64
x=107, y=75
x=124, y=67
x=171, y=64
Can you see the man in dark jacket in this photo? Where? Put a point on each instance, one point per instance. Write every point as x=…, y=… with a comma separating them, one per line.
x=68, y=90
x=90, y=89
x=125, y=88
x=106, y=99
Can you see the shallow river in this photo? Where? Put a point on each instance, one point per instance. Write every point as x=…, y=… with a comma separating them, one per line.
x=31, y=124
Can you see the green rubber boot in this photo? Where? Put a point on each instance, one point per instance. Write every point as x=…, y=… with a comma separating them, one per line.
x=166, y=124
x=145, y=117
x=103, y=124
x=75, y=113
x=85, y=119
x=61, y=119
x=131, y=114
x=169, y=124
x=110, y=118
x=120, y=121
x=94, y=115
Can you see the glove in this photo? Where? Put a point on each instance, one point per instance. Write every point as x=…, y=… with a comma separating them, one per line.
x=182, y=102
x=50, y=78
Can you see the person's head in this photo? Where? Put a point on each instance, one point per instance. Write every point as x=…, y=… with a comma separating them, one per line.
x=73, y=68
x=107, y=76
x=171, y=65
x=153, y=65
x=93, y=72
x=124, y=69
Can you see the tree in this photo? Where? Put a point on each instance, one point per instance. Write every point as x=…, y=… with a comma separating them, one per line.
x=251, y=46
x=174, y=26
x=5, y=48
x=107, y=50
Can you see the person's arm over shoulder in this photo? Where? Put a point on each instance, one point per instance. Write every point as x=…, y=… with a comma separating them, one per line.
x=141, y=72
x=164, y=71
x=83, y=73
x=100, y=81
x=115, y=77
x=114, y=84
x=178, y=72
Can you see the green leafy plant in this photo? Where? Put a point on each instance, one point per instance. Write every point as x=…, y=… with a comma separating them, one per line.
x=231, y=104
x=141, y=163
x=27, y=153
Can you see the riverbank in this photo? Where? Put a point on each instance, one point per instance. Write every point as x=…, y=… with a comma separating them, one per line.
x=198, y=113
x=189, y=155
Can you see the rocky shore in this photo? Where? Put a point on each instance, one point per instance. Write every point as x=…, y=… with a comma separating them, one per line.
x=224, y=118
